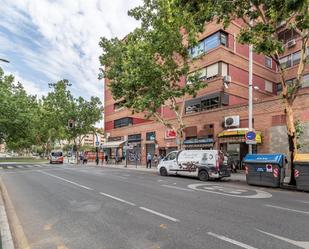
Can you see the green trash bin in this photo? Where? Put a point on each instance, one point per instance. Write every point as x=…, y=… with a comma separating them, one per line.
x=301, y=173
x=265, y=169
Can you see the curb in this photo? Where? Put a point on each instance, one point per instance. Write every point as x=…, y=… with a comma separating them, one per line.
x=17, y=233
x=5, y=232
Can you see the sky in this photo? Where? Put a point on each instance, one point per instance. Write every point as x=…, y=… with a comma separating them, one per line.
x=49, y=40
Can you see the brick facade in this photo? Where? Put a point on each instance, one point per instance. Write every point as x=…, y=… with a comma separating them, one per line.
x=268, y=109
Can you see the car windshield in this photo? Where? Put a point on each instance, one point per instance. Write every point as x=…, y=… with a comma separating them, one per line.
x=58, y=153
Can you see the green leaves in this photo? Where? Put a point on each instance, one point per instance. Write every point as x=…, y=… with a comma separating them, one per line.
x=26, y=120
x=146, y=67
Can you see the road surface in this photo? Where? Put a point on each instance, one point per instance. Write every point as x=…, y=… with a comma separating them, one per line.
x=90, y=207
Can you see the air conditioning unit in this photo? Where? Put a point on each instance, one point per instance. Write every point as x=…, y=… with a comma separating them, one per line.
x=231, y=121
x=291, y=43
x=227, y=79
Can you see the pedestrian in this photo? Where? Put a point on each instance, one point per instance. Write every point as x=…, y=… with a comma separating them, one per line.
x=106, y=159
x=148, y=161
x=81, y=158
x=155, y=160
x=85, y=159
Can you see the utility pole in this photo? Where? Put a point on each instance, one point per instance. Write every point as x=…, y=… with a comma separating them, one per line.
x=250, y=105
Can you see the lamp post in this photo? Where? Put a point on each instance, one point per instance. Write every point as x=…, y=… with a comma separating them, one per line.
x=250, y=99
x=97, y=149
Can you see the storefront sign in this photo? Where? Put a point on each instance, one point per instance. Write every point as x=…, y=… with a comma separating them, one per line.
x=198, y=141
x=170, y=134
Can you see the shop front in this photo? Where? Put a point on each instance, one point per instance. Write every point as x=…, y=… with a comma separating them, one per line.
x=233, y=142
x=113, y=150
x=199, y=144
x=134, y=149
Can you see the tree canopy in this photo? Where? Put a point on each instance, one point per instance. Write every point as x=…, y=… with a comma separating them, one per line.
x=148, y=68
x=26, y=120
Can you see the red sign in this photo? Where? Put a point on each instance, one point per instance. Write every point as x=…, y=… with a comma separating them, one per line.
x=170, y=134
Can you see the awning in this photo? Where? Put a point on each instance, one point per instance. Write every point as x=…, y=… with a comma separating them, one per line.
x=238, y=135
x=198, y=141
x=114, y=144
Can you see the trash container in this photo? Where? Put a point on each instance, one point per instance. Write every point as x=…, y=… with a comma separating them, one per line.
x=265, y=169
x=301, y=173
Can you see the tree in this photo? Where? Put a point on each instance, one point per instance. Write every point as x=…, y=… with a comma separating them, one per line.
x=146, y=67
x=17, y=111
x=52, y=119
x=85, y=115
x=263, y=33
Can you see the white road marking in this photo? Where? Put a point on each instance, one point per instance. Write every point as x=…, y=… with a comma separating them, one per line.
x=184, y=189
x=287, y=209
x=259, y=193
x=118, y=199
x=38, y=165
x=301, y=244
x=159, y=214
x=306, y=202
x=20, y=166
x=174, y=183
x=235, y=242
x=10, y=167
x=63, y=179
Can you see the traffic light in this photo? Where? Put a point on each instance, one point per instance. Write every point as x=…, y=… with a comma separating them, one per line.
x=71, y=123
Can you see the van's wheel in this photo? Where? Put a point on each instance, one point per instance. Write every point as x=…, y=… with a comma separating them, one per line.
x=163, y=172
x=203, y=175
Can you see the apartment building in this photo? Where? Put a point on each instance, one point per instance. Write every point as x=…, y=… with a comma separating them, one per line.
x=218, y=116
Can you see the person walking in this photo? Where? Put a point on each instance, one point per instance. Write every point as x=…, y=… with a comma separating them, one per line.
x=148, y=161
x=155, y=160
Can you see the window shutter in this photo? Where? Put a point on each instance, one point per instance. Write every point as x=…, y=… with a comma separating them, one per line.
x=212, y=70
x=268, y=86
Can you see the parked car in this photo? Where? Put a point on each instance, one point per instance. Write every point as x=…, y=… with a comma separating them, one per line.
x=204, y=164
x=56, y=157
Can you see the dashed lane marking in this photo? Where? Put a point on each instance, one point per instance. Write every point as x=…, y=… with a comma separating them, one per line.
x=65, y=180
x=159, y=214
x=301, y=244
x=232, y=241
x=118, y=199
x=287, y=209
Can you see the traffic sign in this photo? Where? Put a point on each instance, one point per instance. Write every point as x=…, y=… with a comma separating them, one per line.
x=250, y=137
x=97, y=143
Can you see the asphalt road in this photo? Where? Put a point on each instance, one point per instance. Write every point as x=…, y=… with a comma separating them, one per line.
x=93, y=208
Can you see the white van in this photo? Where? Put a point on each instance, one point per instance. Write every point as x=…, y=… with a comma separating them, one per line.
x=204, y=164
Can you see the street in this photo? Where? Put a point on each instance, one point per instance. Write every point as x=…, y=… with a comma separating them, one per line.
x=65, y=206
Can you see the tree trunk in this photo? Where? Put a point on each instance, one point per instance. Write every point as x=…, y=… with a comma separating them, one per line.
x=180, y=138
x=291, y=137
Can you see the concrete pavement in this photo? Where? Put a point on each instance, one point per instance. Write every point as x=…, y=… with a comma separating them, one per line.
x=102, y=207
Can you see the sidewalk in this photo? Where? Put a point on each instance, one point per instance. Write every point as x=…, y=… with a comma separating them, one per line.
x=235, y=177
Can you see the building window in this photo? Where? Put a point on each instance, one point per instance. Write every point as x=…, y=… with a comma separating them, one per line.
x=287, y=35
x=268, y=86
x=211, y=71
x=304, y=84
x=207, y=102
x=210, y=42
x=305, y=81
x=290, y=60
x=123, y=122
x=151, y=136
x=268, y=62
x=134, y=138
x=211, y=103
x=119, y=105
x=296, y=58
